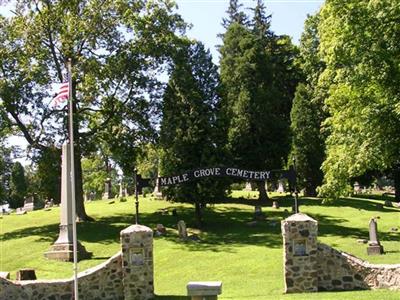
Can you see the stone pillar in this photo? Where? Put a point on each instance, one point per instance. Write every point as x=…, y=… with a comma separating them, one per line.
x=62, y=249
x=299, y=233
x=137, y=262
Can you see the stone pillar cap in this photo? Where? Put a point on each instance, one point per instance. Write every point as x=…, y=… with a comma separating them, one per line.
x=135, y=228
x=204, y=288
x=300, y=217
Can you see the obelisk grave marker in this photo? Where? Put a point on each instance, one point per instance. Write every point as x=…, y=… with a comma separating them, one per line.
x=62, y=249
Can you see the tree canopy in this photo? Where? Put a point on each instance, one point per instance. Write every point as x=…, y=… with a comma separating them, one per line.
x=116, y=49
x=188, y=128
x=258, y=79
x=359, y=44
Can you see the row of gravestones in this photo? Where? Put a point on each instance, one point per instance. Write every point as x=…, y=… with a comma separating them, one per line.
x=123, y=191
x=250, y=186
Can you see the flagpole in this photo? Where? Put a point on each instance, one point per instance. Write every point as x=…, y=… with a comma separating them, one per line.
x=71, y=142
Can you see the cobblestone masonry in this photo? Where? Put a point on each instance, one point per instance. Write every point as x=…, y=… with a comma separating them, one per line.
x=341, y=271
x=127, y=275
x=101, y=282
x=137, y=256
x=300, y=253
x=310, y=266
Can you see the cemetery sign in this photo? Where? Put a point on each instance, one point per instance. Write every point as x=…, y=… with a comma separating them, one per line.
x=214, y=172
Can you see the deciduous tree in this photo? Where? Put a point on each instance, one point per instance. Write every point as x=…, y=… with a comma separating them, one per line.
x=116, y=48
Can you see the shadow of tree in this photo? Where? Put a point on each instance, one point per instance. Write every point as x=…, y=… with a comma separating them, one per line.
x=226, y=226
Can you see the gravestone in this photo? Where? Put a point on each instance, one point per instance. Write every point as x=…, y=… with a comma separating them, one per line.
x=48, y=204
x=157, y=190
x=374, y=246
x=107, y=189
x=28, y=204
x=281, y=188
x=160, y=229
x=357, y=188
x=122, y=193
x=182, y=231
x=249, y=187
x=62, y=249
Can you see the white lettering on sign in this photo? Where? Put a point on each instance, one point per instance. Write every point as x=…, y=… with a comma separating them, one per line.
x=235, y=172
x=185, y=177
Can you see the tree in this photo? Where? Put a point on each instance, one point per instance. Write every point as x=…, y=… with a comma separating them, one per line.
x=234, y=14
x=116, y=48
x=307, y=146
x=49, y=173
x=18, y=186
x=96, y=169
x=359, y=44
x=258, y=87
x=188, y=131
x=5, y=172
x=308, y=112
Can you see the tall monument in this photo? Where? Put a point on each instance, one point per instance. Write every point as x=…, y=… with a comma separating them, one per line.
x=62, y=249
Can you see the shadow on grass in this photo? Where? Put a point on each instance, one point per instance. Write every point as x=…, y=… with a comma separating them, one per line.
x=226, y=227
x=353, y=202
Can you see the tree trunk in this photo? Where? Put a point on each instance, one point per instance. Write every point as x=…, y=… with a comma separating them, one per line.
x=310, y=190
x=263, y=196
x=396, y=176
x=80, y=206
x=199, y=220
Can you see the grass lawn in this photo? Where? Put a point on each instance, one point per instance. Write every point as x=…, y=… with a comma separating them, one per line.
x=248, y=260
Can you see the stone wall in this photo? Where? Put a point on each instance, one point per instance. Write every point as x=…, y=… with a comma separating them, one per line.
x=126, y=275
x=310, y=266
x=101, y=282
x=341, y=271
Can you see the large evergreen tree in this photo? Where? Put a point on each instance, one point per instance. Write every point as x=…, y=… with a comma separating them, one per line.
x=188, y=128
x=308, y=112
x=18, y=186
x=116, y=48
x=258, y=87
x=235, y=15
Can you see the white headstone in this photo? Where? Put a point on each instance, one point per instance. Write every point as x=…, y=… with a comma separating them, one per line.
x=281, y=188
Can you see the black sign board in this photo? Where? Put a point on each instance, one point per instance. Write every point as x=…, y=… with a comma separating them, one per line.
x=214, y=172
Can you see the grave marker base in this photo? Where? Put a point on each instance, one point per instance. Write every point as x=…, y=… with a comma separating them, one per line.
x=375, y=250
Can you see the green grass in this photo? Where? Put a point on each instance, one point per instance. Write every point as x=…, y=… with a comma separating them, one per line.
x=248, y=260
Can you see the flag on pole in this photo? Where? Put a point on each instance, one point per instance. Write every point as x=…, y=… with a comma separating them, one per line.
x=62, y=94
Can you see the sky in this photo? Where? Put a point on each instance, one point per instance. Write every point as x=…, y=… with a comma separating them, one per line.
x=288, y=17
x=205, y=16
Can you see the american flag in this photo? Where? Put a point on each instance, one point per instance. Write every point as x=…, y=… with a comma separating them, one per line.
x=62, y=94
